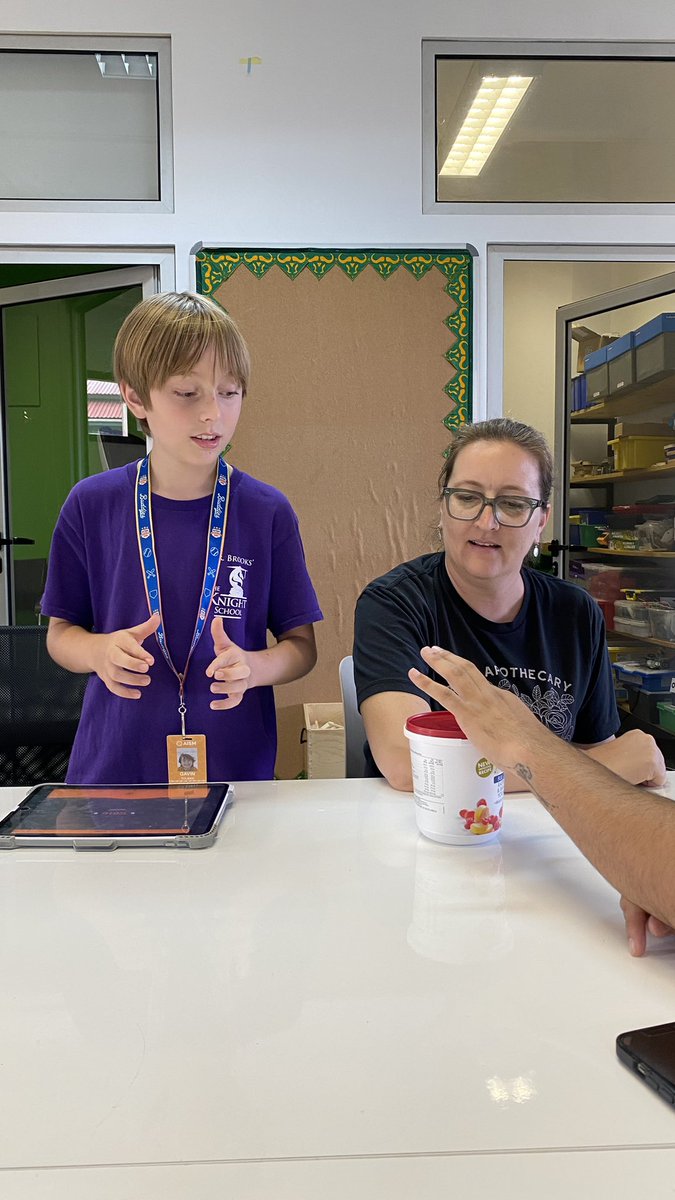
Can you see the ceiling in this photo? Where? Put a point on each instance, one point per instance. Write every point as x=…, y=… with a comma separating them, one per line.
x=594, y=130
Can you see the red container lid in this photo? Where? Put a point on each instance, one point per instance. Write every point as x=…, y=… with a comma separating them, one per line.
x=644, y=509
x=435, y=724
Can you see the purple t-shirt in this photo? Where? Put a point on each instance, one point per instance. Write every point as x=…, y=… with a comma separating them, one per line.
x=95, y=580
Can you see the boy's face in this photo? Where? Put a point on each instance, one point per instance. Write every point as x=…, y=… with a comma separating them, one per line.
x=192, y=417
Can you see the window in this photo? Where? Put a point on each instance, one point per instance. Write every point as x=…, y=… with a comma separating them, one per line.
x=85, y=123
x=548, y=123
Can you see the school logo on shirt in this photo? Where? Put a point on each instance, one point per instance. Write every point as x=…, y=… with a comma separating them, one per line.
x=229, y=596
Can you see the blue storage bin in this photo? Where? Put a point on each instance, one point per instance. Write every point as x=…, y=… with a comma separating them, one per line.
x=590, y=516
x=621, y=363
x=596, y=359
x=665, y=323
x=644, y=678
x=655, y=349
x=579, y=400
x=597, y=375
x=620, y=346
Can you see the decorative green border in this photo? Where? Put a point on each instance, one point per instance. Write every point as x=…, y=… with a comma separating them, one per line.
x=215, y=266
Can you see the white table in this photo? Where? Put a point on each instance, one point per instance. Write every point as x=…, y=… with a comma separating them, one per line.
x=325, y=1004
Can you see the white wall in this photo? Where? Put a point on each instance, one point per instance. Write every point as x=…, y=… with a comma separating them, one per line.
x=321, y=143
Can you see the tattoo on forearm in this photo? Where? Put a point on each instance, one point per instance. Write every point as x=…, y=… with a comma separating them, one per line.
x=527, y=775
x=524, y=772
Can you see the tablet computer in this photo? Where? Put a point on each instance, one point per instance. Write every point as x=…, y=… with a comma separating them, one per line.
x=103, y=818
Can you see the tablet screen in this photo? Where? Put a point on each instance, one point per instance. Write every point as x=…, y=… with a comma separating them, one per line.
x=146, y=810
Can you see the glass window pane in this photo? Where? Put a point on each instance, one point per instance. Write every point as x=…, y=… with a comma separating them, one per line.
x=593, y=130
x=78, y=125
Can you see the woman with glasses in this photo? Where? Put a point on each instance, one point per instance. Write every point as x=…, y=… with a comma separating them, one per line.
x=536, y=635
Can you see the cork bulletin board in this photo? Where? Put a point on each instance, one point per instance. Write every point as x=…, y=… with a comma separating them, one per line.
x=361, y=365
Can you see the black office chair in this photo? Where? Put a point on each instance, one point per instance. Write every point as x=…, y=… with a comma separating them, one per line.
x=40, y=707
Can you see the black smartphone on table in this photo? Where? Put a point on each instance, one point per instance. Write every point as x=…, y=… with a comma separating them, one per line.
x=650, y=1053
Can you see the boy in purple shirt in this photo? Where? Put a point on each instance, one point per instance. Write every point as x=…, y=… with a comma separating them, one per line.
x=165, y=576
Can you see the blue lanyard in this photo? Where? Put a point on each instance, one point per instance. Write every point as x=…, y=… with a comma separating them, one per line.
x=214, y=553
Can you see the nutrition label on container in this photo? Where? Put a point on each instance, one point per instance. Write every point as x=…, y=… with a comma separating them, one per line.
x=427, y=775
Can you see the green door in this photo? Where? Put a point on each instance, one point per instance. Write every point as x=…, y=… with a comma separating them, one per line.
x=51, y=348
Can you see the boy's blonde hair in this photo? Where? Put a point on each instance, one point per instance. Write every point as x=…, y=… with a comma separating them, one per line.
x=167, y=334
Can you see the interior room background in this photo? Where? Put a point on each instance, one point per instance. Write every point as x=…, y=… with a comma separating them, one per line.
x=300, y=125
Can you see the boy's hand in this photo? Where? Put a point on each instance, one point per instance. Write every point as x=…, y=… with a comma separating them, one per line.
x=230, y=669
x=120, y=661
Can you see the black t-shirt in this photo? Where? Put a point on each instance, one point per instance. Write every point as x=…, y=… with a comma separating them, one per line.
x=553, y=655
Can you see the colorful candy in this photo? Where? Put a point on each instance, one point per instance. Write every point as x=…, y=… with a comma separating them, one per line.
x=480, y=820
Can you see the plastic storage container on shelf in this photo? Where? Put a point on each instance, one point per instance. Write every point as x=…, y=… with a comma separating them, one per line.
x=590, y=516
x=666, y=715
x=597, y=376
x=589, y=535
x=646, y=508
x=634, y=453
x=606, y=582
x=655, y=348
x=621, y=363
x=634, y=628
x=631, y=610
x=574, y=536
x=579, y=393
x=661, y=622
x=647, y=679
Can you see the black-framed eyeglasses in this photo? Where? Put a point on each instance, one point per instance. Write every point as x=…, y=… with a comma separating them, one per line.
x=514, y=511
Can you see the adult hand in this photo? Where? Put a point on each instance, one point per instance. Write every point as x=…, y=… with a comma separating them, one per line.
x=634, y=756
x=643, y=759
x=638, y=924
x=230, y=669
x=492, y=718
x=120, y=661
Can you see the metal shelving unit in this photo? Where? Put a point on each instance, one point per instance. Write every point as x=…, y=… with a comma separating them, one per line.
x=650, y=401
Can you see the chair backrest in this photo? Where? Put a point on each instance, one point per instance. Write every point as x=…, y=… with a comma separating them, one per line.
x=40, y=705
x=355, y=733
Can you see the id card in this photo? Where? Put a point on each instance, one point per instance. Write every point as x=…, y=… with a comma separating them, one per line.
x=186, y=758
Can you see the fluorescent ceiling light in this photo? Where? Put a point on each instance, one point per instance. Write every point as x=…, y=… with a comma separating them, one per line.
x=491, y=110
x=124, y=66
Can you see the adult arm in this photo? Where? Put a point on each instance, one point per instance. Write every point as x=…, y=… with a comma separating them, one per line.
x=384, y=717
x=394, y=616
x=234, y=670
x=627, y=834
x=634, y=756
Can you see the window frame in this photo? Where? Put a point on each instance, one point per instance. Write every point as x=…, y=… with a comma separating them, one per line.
x=433, y=48
x=122, y=43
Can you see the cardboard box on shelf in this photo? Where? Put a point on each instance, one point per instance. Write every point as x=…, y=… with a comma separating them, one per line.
x=324, y=741
x=587, y=342
x=643, y=429
x=290, y=762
